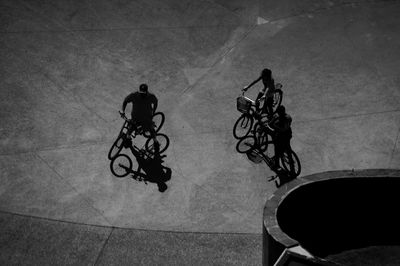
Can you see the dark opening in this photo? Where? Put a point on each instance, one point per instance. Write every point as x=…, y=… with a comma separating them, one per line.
x=330, y=216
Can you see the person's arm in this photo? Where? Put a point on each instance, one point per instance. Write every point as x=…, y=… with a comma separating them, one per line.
x=155, y=104
x=251, y=84
x=126, y=101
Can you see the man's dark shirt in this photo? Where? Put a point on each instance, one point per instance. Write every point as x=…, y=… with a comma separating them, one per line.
x=142, y=109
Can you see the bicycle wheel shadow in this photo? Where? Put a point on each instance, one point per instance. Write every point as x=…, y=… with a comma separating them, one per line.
x=281, y=176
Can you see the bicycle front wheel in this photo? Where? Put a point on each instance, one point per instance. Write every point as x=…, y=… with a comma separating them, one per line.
x=291, y=163
x=116, y=147
x=243, y=126
x=162, y=139
x=246, y=144
x=121, y=165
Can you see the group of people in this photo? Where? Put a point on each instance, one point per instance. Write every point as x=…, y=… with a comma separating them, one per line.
x=145, y=103
x=280, y=122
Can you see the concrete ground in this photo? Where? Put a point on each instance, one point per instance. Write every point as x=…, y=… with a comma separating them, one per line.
x=66, y=67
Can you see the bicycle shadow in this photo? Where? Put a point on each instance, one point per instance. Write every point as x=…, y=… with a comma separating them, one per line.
x=150, y=166
x=281, y=176
x=151, y=170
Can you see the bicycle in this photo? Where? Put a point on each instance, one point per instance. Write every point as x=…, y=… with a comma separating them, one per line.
x=120, y=142
x=254, y=142
x=249, y=110
x=289, y=159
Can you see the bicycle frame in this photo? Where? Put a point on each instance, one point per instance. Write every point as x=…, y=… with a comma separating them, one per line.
x=137, y=129
x=278, y=90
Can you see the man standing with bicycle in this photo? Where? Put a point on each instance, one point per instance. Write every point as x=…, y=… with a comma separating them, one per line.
x=281, y=126
x=267, y=90
x=144, y=104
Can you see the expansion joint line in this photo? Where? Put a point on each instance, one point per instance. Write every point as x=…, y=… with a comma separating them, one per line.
x=221, y=58
x=103, y=247
x=394, y=148
x=60, y=88
x=64, y=179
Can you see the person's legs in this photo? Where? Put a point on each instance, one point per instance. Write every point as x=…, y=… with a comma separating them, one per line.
x=257, y=102
x=278, y=146
x=267, y=108
x=127, y=138
x=288, y=149
x=131, y=126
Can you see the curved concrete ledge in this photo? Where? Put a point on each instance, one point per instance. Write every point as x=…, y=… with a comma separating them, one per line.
x=330, y=212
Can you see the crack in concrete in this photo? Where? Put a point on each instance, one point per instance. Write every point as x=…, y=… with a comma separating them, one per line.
x=64, y=179
x=122, y=228
x=103, y=247
x=394, y=148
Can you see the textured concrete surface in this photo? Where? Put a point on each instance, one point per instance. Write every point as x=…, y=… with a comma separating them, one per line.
x=67, y=65
x=33, y=241
x=37, y=241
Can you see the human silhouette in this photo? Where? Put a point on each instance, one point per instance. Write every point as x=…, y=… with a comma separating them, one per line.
x=154, y=171
x=282, y=133
x=267, y=90
x=144, y=105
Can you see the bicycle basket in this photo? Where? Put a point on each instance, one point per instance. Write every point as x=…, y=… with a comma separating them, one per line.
x=243, y=104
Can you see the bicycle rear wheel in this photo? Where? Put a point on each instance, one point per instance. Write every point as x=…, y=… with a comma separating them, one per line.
x=246, y=144
x=121, y=165
x=116, y=147
x=277, y=99
x=243, y=126
x=162, y=139
x=291, y=163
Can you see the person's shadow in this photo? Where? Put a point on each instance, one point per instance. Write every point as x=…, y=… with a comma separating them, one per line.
x=153, y=169
x=150, y=168
x=281, y=176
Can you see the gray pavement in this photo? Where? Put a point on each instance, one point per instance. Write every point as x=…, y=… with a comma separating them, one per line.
x=66, y=67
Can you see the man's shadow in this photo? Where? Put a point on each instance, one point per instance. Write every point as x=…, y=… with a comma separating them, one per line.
x=281, y=176
x=150, y=168
x=154, y=171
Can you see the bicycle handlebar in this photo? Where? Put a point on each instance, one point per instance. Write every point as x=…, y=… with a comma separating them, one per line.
x=253, y=101
x=123, y=115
